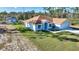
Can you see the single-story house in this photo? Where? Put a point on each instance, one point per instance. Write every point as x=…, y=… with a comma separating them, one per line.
x=46, y=23
x=61, y=23
x=11, y=19
x=39, y=23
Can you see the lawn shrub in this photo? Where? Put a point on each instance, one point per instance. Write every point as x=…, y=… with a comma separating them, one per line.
x=40, y=37
x=45, y=31
x=55, y=35
x=33, y=37
x=76, y=35
x=72, y=39
x=21, y=28
x=24, y=29
x=42, y=31
x=61, y=38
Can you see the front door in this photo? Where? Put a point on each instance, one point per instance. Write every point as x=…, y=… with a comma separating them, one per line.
x=45, y=26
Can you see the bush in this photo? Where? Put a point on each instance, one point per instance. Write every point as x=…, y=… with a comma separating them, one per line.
x=23, y=29
x=16, y=23
x=62, y=38
x=55, y=35
x=72, y=39
x=32, y=37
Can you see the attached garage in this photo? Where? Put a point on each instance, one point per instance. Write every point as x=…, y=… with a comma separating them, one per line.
x=61, y=23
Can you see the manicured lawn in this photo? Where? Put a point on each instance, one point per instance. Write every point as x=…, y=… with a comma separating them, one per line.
x=47, y=41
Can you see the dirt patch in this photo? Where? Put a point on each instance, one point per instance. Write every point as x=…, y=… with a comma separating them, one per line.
x=17, y=42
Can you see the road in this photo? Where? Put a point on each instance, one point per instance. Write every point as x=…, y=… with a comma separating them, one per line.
x=17, y=42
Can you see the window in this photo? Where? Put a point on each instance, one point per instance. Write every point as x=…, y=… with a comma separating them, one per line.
x=53, y=26
x=39, y=26
x=50, y=25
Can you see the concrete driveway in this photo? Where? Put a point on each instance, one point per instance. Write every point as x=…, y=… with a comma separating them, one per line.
x=68, y=29
x=73, y=31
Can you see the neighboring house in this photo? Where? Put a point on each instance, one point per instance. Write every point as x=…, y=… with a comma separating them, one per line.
x=61, y=23
x=39, y=23
x=11, y=19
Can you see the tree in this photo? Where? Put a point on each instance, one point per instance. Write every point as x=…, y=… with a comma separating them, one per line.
x=50, y=10
x=59, y=11
x=4, y=12
x=21, y=17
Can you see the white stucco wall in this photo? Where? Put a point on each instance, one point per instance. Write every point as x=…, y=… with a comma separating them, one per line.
x=58, y=26
x=35, y=26
x=26, y=24
x=64, y=25
x=29, y=25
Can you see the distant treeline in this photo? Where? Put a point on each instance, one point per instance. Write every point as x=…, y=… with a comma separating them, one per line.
x=60, y=12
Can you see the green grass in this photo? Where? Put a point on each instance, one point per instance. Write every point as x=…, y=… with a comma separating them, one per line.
x=1, y=19
x=74, y=21
x=18, y=26
x=47, y=41
x=52, y=42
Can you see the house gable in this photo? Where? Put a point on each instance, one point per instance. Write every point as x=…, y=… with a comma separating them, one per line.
x=65, y=24
x=59, y=20
x=39, y=23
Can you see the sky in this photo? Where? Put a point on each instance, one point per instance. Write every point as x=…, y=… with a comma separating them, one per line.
x=21, y=9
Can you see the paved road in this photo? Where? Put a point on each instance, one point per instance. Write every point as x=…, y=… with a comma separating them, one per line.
x=18, y=43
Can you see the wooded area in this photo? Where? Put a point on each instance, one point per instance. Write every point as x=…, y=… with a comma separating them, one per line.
x=71, y=13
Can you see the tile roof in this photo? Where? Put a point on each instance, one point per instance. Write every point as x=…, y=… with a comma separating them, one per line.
x=59, y=20
x=37, y=19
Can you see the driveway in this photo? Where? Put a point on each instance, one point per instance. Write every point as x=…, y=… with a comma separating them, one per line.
x=68, y=29
x=73, y=31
